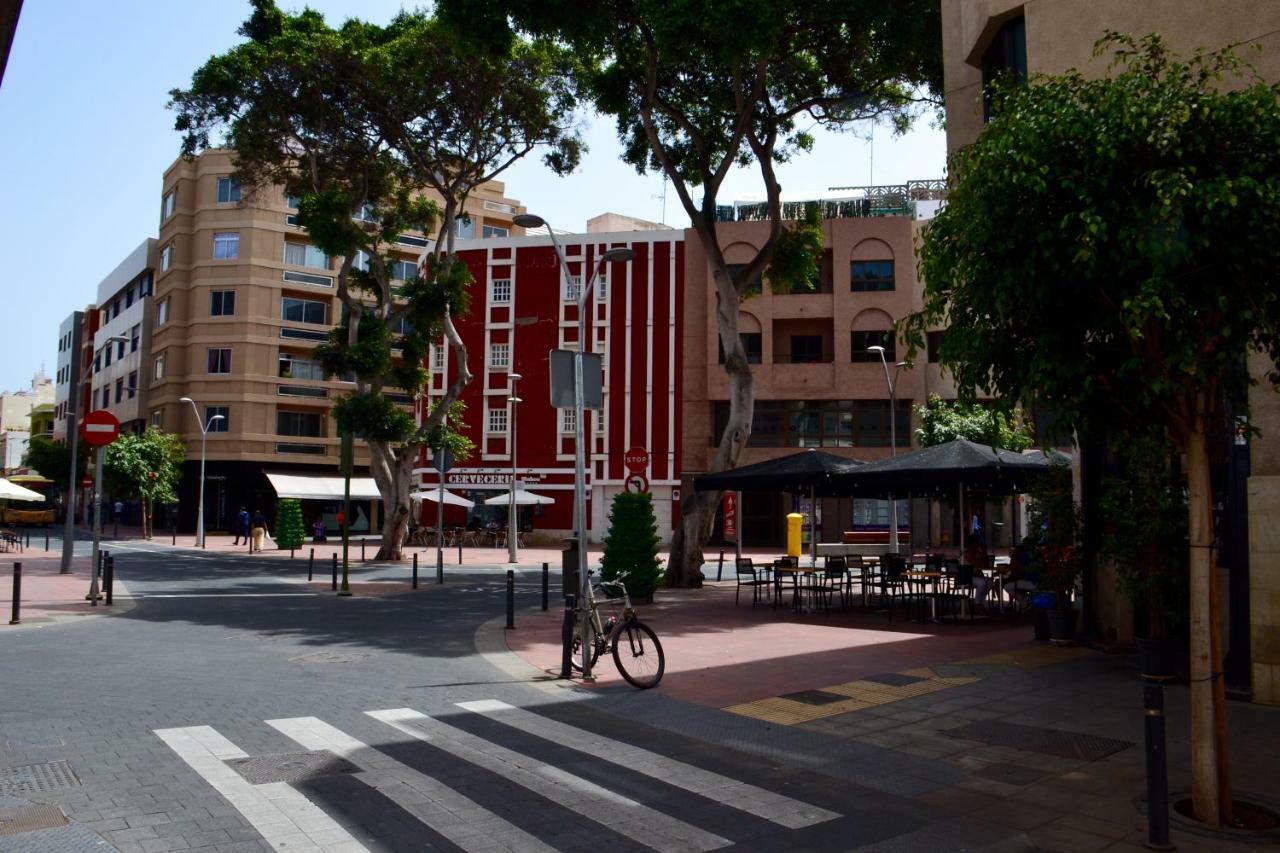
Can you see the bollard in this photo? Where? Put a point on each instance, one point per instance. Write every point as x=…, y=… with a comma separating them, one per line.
x=311, y=564
x=440, y=567
x=334, y=586
x=545, y=587
x=46, y=541
x=109, y=579
x=116, y=533
x=1157, y=768
x=290, y=553
x=566, y=636
x=17, y=594
x=720, y=566
x=28, y=545
x=459, y=550
x=415, y=571
x=173, y=533
x=511, y=599
x=362, y=551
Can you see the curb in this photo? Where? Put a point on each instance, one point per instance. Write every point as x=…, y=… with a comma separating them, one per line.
x=490, y=641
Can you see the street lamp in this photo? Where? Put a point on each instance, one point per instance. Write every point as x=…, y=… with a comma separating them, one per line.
x=617, y=255
x=513, y=527
x=204, y=434
x=73, y=437
x=893, y=434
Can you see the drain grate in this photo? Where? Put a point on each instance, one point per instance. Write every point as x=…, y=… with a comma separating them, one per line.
x=291, y=766
x=894, y=679
x=30, y=778
x=17, y=819
x=814, y=697
x=1044, y=741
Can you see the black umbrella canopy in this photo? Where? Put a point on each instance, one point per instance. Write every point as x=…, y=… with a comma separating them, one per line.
x=811, y=470
x=945, y=466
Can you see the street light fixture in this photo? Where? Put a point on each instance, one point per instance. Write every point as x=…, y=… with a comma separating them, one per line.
x=893, y=434
x=615, y=255
x=204, y=433
x=513, y=526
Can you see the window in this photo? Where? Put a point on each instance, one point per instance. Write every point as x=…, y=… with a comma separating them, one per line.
x=144, y=285
x=120, y=345
x=572, y=288
x=499, y=355
x=493, y=231
x=157, y=418
x=934, y=344
x=119, y=390
x=305, y=255
x=403, y=270
x=222, y=303
x=859, y=341
x=568, y=419
x=304, y=310
x=806, y=349
x=128, y=298
x=106, y=396
x=228, y=191
x=133, y=384
x=158, y=372
x=226, y=245
x=466, y=227
x=304, y=335
x=106, y=354
x=291, y=202
x=500, y=290
x=220, y=425
x=1005, y=57
x=162, y=312
x=308, y=424
x=167, y=204
x=308, y=278
x=871, y=276
x=219, y=360
x=821, y=282
x=367, y=213
x=497, y=420
x=437, y=357
x=821, y=423
x=752, y=342
x=754, y=287
x=294, y=367
x=166, y=257
x=115, y=308
x=135, y=337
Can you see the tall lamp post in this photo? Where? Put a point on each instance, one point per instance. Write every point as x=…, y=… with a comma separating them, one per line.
x=513, y=525
x=893, y=435
x=73, y=439
x=204, y=434
x=617, y=255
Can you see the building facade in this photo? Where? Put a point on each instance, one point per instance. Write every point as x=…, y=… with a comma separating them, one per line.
x=122, y=341
x=68, y=395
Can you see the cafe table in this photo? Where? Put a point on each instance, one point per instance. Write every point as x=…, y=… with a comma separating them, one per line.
x=923, y=579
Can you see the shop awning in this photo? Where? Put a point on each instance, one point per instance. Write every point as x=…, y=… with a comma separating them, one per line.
x=322, y=488
x=433, y=495
x=13, y=492
x=523, y=498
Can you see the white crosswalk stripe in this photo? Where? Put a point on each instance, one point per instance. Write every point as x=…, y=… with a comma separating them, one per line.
x=621, y=814
x=777, y=808
x=449, y=813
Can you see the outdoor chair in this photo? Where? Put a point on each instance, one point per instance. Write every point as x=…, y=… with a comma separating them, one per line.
x=892, y=584
x=750, y=576
x=835, y=577
x=961, y=589
x=783, y=569
x=859, y=572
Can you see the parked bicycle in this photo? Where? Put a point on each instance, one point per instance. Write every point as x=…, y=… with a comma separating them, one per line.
x=636, y=650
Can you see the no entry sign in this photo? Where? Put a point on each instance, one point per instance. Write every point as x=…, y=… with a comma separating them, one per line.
x=99, y=428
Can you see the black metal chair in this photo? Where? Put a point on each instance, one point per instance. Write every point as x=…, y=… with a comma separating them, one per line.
x=835, y=578
x=784, y=568
x=750, y=576
x=892, y=584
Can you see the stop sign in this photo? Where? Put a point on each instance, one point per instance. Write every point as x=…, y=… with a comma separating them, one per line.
x=99, y=428
x=636, y=459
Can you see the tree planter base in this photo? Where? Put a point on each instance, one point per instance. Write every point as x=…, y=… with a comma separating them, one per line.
x=1062, y=627
x=1153, y=658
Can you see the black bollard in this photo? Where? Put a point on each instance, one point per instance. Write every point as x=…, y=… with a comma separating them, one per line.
x=311, y=564
x=459, y=550
x=415, y=571
x=17, y=594
x=440, y=567
x=1157, y=768
x=566, y=636
x=720, y=566
x=545, y=585
x=334, y=585
x=290, y=553
x=511, y=599
x=173, y=534
x=46, y=541
x=362, y=559
x=109, y=580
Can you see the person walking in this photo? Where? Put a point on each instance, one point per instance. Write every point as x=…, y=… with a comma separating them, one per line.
x=259, y=530
x=242, y=525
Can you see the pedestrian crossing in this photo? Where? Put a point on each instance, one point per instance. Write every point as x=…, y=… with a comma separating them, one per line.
x=623, y=790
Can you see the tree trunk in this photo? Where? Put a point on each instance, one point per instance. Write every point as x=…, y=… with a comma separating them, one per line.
x=392, y=473
x=1209, y=778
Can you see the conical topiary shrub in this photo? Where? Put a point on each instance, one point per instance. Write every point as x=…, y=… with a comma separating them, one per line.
x=632, y=545
x=289, y=532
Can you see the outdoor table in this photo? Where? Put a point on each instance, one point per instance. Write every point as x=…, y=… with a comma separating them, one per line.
x=924, y=578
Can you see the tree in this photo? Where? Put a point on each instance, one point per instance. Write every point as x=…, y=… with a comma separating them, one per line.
x=145, y=467
x=632, y=545
x=941, y=422
x=52, y=459
x=1110, y=247
x=359, y=122
x=289, y=531
x=701, y=87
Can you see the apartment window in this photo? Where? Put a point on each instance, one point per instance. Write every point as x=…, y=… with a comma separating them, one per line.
x=222, y=303
x=106, y=355
x=128, y=297
x=308, y=424
x=166, y=257
x=167, y=204
x=493, y=231
x=1005, y=57
x=219, y=360
x=162, y=312
x=572, y=288
x=291, y=202
x=821, y=423
x=115, y=308
x=437, y=357
x=806, y=349
x=292, y=367
x=304, y=310
x=226, y=245
x=497, y=420
x=158, y=370
x=133, y=385
x=568, y=421
x=120, y=345
x=859, y=341
x=499, y=355
x=157, y=418
x=466, y=227
x=305, y=255
x=228, y=191
x=220, y=425
x=871, y=276
x=500, y=290
x=106, y=396
x=135, y=337
x=934, y=345
x=752, y=342
x=403, y=270
x=754, y=287
x=144, y=285
x=119, y=390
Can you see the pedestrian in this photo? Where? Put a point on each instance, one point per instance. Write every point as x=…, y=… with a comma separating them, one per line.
x=119, y=510
x=259, y=530
x=242, y=525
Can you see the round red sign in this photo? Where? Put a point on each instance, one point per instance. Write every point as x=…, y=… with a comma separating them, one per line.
x=636, y=459
x=99, y=428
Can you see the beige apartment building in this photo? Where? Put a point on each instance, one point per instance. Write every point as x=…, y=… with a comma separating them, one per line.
x=984, y=37
x=241, y=300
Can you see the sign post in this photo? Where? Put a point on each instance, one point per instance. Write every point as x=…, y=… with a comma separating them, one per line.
x=98, y=429
x=731, y=520
x=442, y=462
x=346, y=460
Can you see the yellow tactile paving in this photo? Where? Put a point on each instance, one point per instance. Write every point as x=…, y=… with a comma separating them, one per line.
x=862, y=694
x=1032, y=656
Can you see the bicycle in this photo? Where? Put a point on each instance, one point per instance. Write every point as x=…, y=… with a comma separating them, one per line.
x=636, y=650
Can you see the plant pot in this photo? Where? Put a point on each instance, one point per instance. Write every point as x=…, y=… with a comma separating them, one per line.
x=1153, y=658
x=1062, y=627
x=1040, y=623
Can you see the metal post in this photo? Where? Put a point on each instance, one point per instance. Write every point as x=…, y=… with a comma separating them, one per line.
x=513, y=516
x=1157, y=769
x=348, y=459
x=363, y=558
x=46, y=541
x=17, y=595
x=546, y=579
x=69, y=523
x=94, y=594
x=566, y=636
x=720, y=565
x=440, y=531
x=333, y=587
x=439, y=566
x=109, y=579
x=311, y=564
x=737, y=526
x=204, y=434
x=511, y=599
x=173, y=533
x=580, y=468
x=415, y=571
x=459, y=550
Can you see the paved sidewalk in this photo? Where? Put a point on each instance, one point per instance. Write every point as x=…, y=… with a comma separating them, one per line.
x=49, y=596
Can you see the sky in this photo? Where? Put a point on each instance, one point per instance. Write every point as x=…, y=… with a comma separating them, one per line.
x=85, y=137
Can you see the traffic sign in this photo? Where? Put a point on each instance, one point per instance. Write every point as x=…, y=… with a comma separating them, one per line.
x=637, y=484
x=442, y=460
x=100, y=428
x=636, y=459
x=86, y=482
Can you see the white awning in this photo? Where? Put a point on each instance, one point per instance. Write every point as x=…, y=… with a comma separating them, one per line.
x=523, y=498
x=450, y=498
x=322, y=488
x=13, y=492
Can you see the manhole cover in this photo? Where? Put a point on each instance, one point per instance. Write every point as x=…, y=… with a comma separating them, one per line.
x=1044, y=741
x=894, y=679
x=291, y=766
x=16, y=819
x=814, y=697
x=30, y=778
x=329, y=657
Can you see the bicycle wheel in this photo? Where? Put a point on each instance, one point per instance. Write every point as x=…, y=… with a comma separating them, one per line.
x=575, y=654
x=638, y=654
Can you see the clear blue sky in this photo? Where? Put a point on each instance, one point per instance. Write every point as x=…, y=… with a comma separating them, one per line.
x=85, y=138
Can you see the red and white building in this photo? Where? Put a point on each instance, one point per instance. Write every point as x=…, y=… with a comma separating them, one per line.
x=521, y=309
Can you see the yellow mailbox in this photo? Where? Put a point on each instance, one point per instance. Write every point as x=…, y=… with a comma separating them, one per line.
x=795, y=527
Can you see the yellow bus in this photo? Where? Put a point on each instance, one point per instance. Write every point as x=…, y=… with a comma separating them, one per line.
x=31, y=512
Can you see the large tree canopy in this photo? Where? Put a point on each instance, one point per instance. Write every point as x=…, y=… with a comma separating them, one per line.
x=146, y=467
x=699, y=88
x=1110, y=247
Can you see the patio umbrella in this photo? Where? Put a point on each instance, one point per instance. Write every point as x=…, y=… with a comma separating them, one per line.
x=523, y=498
x=450, y=498
x=13, y=492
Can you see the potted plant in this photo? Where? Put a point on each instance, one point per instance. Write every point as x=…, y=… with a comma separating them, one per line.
x=631, y=545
